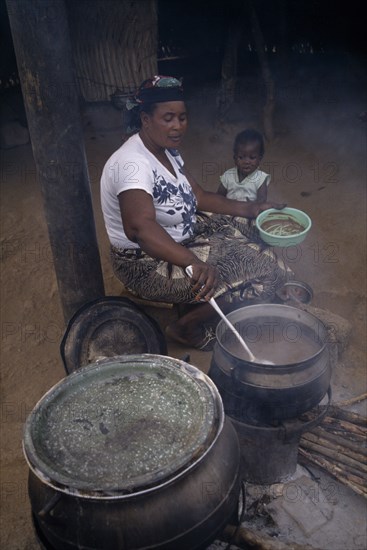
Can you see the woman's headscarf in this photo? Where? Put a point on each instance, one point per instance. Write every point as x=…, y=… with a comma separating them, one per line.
x=157, y=89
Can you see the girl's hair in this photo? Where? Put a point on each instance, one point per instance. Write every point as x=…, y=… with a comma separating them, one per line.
x=249, y=135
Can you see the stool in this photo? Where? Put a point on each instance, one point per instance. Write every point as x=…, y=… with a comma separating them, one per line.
x=163, y=312
x=149, y=303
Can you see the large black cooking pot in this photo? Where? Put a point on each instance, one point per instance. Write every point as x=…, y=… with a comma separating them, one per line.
x=294, y=340
x=132, y=452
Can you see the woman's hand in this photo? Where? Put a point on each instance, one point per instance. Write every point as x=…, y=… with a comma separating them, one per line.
x=253, y=209
x=204, y=279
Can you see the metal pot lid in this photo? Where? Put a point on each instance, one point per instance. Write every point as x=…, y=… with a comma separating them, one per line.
x=123, y=426
x=109, y=327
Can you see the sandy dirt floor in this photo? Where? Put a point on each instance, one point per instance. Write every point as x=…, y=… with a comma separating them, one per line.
x=318, y=164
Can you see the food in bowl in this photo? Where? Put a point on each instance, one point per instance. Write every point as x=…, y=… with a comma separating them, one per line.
x=286, y=227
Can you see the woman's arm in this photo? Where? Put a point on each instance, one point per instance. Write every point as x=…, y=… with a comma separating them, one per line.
x=212, y=202
x=140, y=225
x=139, y=221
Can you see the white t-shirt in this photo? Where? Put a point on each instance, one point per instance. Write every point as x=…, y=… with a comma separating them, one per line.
x=245, y=189
x=133, y=166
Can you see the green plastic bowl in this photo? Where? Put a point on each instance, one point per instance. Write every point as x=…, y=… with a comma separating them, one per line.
x=286, y=213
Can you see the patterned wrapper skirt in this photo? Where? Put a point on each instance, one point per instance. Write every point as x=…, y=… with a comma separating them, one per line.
x=248, y=269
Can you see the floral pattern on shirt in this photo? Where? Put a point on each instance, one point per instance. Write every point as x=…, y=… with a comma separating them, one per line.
x=179, y=199
x=177, y=156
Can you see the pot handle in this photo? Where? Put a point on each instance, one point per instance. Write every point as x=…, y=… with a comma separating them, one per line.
x=291, y=433
x=49, y=506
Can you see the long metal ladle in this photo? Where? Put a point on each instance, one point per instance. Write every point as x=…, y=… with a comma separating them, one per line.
x=214, y=304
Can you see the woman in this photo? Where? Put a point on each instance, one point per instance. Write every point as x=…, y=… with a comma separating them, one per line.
x=160, y=221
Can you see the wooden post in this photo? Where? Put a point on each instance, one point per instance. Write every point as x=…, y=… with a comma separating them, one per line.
x=269, y=106
x=42, y=46
x=226, y=95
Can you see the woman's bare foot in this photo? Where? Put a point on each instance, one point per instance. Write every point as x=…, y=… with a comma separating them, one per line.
x=193, y=330
x=203, y=339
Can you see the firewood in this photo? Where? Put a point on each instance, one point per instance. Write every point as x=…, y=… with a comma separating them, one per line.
x=346, y=427
x=354, y=448
x=351, y=481
x=246, y=538
x=352, y=401
x=352, y=466
x=342, y=453
x=355, y=438
x=354, y=418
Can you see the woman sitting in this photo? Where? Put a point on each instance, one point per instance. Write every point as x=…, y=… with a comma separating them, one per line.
x=159, y=221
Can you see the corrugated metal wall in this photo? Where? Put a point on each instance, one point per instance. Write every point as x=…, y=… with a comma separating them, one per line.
x=114, y=44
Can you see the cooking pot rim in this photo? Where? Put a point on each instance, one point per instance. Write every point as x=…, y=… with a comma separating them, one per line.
x=30, y=452
x=239, y=382
x=256, y=308
x=284, y=368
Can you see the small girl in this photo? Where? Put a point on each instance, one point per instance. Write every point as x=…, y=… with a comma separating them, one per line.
x=245, y=182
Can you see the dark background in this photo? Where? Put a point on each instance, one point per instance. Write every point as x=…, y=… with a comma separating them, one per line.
x=196, y=31
x=202, y=26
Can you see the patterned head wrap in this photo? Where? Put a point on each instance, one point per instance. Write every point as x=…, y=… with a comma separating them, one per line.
x=157, y=89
